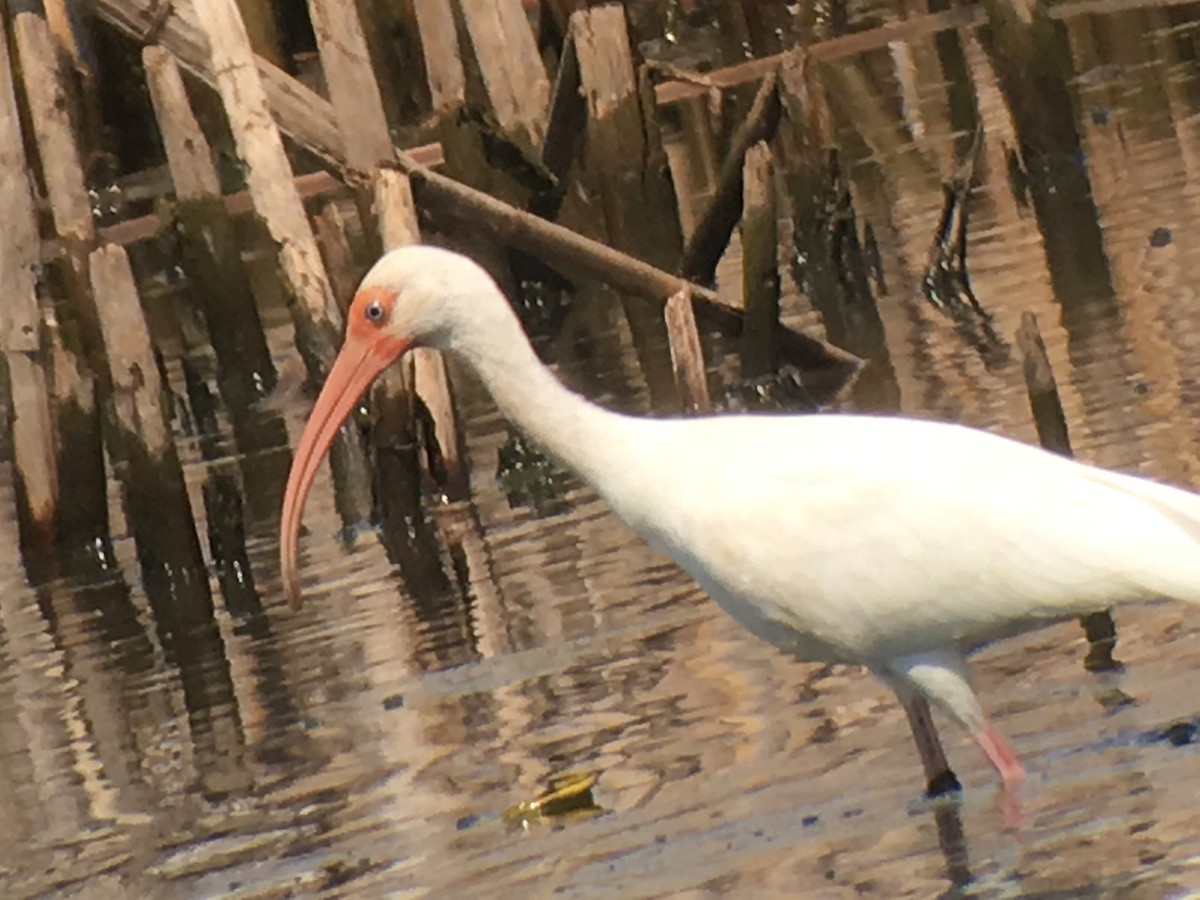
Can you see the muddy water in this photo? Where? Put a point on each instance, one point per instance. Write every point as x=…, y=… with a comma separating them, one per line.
x=371, y=744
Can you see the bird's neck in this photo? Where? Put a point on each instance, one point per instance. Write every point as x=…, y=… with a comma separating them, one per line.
x=596, y=443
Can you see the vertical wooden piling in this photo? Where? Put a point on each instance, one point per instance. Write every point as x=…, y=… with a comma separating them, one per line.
x=21, y=337
x=218, y=286
x=620, y=165
x=760, y=264
x=687, y=356
x=335, y=247
x=1051, y=423
x=61, y=167
x=270, y=182
x=711, y=235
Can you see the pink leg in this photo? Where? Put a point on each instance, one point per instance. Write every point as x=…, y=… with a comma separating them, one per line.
x=1012, y=773
x=1002, y=756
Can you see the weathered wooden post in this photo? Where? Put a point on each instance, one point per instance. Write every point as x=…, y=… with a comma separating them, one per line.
x=760, y=264
x=269, y=179
x=143, y=448
x=219, y=288
x=687, y=356
x=1051, y=423
x=210, y=251
x=23, y=341
x=715, y=225
x=625, y=165
x=82, y=526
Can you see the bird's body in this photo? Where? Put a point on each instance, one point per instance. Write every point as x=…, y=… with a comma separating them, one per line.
x=894, y=543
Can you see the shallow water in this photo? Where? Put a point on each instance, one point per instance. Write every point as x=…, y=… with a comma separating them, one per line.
x=370, y=744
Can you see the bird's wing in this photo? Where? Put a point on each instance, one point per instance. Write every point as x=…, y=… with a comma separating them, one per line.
x=939, y=533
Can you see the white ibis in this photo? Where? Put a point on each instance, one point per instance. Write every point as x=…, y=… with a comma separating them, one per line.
x=892, y=543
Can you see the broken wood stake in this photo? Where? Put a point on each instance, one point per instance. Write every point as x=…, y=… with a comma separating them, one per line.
x=760, y=264
x=711, y=235
x=143, y=447
x=21, y=339
x=270, y=182
x=687, y=356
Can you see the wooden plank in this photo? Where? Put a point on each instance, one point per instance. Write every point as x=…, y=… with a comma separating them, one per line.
x=69, y=201
x=760, y=263
x=21, y=318
x=513, y=75
x=687, y=356
x=268, y=172
x=136, y=386
x=618, y=164
x=443, y=60
x=188, y=153
x=355, y=95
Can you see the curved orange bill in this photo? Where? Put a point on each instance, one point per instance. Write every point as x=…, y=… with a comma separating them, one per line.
x=358, y=364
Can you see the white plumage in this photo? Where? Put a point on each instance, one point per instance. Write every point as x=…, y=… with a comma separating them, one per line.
x=893, y=543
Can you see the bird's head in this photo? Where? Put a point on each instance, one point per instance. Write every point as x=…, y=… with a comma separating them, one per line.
x=413, y=296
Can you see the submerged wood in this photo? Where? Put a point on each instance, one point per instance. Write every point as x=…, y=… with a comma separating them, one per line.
x=1051, y=423
x=760, y=264
x=142, y=444
x=442, y=197
x=711, y=235
x=22, y=338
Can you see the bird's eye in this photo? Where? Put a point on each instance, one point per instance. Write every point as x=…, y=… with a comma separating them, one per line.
x=374, y=311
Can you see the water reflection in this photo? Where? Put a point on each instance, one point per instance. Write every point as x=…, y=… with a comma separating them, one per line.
x=458, y=662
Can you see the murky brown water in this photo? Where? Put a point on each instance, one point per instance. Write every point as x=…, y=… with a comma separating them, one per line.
x=369, y=745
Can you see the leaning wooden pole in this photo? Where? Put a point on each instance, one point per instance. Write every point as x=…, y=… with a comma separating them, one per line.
x=142, y=445
x=82, y=527
x=22, y=337
x=270, y=182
